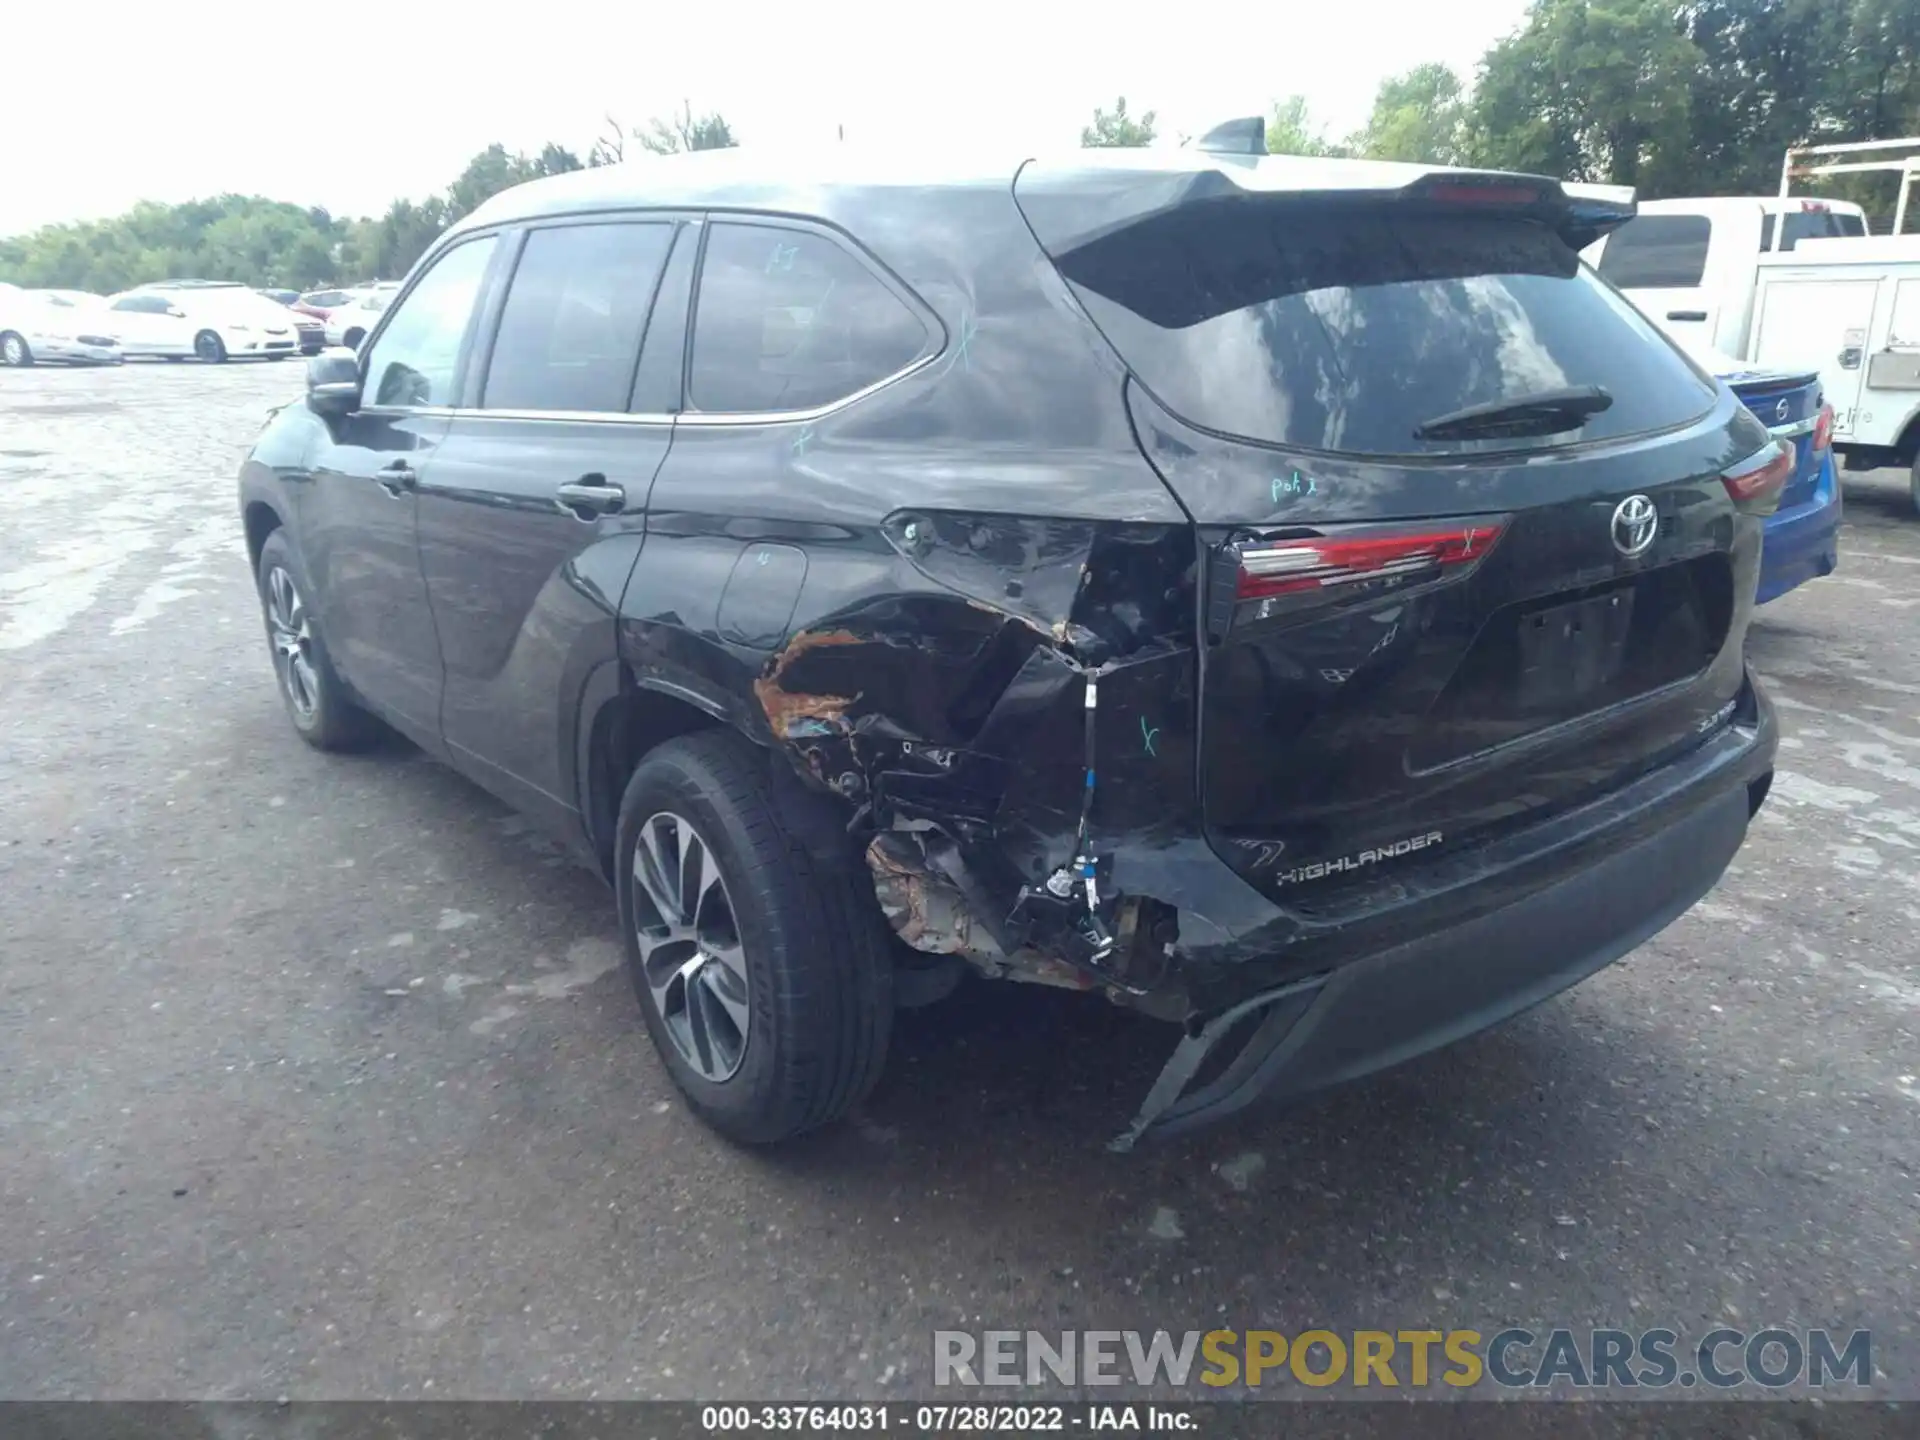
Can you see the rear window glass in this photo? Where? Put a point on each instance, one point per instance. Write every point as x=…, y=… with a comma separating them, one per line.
x=1818, y=225
x=1346, y=331
x=787, y=320
x=1658, y=252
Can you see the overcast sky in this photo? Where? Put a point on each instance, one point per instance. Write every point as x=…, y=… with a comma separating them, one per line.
x=350, y=106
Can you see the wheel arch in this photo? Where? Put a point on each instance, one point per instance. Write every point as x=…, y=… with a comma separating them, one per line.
x=260, y=520
x=621, y=719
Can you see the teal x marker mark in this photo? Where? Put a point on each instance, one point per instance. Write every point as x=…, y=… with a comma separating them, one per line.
x=1149, y=737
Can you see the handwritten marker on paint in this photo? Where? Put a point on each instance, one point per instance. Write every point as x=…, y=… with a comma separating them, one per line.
x=1294, y=485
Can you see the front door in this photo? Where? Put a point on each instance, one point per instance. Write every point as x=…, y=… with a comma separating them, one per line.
x=359, y=514
x=532, y=512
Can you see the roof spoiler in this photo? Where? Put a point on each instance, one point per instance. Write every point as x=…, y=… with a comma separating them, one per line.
x=1596, y=210
x=1074, y=205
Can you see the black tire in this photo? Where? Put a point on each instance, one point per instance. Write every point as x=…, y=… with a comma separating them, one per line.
x=1913, y=483
x=173, y=359
x=332, y=721
x=819, y=993
x=210, y=347
x=15, y=353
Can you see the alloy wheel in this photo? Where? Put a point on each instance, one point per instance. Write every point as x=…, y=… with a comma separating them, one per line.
x=14, y=350
x=292, y=637
x=690, y=952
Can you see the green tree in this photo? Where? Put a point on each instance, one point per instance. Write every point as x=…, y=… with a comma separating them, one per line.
x=1292, y=131
x=1115, y=128
x=1419, y=116
x=1590, y=91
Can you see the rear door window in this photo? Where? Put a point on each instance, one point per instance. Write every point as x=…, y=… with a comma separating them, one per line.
x=1658, y=252
x=570, y=331
x=1345, y=329
x=790, y=320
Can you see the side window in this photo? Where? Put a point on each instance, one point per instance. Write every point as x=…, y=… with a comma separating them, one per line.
x=787, y=320
x=127, y=302
x=414, y=362
x=1766, y=234
x=570, y=330
x=1658, y=252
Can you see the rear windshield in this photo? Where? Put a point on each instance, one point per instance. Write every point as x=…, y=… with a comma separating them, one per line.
x=1345, y=331
x=1658, y=252
x=1812, y=225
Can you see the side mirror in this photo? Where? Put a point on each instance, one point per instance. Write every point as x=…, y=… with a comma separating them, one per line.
x=333, y=382
x=176, y=312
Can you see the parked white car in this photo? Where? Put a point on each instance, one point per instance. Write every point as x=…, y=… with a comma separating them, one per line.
x=208, y=320
x=66, y=325
x=352, y=322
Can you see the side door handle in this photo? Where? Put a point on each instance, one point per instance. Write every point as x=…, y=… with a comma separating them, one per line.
x=1699, y=315
x=590, y=497
x=398, y=478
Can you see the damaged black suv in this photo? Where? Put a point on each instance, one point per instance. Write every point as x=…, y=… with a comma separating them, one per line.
x=1295, y=599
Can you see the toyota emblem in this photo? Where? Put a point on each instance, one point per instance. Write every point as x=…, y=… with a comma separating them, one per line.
x=1635, y=523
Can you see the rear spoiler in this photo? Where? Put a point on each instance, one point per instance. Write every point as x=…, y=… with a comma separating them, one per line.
x=1072, y=204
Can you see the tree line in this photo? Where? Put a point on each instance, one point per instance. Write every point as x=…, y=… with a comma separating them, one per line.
x=1674, y=97
x=276, y=244
x=1671, y=96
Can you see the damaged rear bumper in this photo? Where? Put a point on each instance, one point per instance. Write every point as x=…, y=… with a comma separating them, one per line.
x=1623, y=871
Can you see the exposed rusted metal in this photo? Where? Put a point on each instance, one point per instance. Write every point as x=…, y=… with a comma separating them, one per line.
x=783, y=707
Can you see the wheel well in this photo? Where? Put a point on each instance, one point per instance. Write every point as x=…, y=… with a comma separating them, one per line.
x=353, y=337
x=261, y=521
x=624, y=730
x=1908, y=445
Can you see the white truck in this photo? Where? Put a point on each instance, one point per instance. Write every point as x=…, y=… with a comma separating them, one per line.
x=1692, y=265
x=1797, y=284
x=1851, y=310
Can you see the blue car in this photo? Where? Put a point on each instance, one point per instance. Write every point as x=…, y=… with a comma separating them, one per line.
x=1803, y=535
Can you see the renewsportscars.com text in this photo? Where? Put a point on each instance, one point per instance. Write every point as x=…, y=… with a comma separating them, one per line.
x=1411, y=1359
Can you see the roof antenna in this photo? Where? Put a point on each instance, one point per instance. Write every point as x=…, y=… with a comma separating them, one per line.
x=1246, y=136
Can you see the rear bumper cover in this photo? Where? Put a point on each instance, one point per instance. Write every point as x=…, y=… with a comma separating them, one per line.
x=1655, y=849
x=1803, y=540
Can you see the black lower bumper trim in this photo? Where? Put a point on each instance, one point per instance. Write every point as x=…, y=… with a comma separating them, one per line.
x=1429, y=992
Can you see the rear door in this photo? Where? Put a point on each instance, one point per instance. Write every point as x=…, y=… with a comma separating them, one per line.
x=1422, y=629
x=533, y=511
x=1819, y=322
x=1661, y=263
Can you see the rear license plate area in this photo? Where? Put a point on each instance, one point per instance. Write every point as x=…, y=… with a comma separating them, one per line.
x=1571, y=651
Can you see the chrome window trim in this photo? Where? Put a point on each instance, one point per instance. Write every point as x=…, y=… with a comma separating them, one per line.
x=690, y=417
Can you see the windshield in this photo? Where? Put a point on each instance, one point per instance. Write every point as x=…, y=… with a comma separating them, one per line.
x=1344, y=329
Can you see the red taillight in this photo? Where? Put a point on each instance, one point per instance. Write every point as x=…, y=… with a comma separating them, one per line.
x=1756, y=483
x=1283, y=567
x=1823, y=429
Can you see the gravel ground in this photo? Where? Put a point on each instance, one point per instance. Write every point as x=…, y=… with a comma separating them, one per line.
x=318, y=1076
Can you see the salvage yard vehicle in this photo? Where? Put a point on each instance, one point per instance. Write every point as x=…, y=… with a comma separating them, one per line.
x=1803, y=534
x=1692, y=265
x=1851, y=308
x=209, y=320
x=65, y=325
x=1293, y=599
